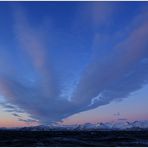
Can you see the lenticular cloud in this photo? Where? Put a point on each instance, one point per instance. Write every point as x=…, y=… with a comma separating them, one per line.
x=106, y=78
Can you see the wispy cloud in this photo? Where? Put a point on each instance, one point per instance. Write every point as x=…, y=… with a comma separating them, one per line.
x=107, y=78
x=27, y=120
x=16, y=115
x=116, y=75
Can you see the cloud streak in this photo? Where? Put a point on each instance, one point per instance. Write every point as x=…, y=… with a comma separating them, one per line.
x=117, y=75
x=108, y=78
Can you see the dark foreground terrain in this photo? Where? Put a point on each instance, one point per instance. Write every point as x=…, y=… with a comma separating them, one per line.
x=73, y=138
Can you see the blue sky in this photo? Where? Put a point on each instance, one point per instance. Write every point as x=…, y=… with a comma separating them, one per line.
x=63, y=61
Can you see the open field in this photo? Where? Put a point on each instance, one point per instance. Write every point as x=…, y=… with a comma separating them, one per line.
x=73, y=138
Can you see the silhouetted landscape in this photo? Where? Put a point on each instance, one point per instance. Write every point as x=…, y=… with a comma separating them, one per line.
x=73, y=138
x=121, y=133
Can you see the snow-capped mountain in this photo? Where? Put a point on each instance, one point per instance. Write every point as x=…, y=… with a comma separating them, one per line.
x=101, y=125
x=118, y=125
x=122, y=125
x=140, y=124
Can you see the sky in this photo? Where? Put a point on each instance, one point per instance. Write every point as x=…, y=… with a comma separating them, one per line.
x=73, y=62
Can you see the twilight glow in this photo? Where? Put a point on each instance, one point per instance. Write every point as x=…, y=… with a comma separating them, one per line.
x=73, y=62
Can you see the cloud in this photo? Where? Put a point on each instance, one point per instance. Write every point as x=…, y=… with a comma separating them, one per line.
x=11, y=108
x=27, y=120
x=108, y=78
x=118, y=74
x=16, y=115
x=33, y=46
x=101, y=13
x=42, y=100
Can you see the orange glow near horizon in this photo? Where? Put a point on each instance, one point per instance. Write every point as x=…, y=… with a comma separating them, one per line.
x=14, y=123
x=8, y=120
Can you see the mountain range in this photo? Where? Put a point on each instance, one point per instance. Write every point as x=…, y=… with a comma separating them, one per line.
x=120, y=125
